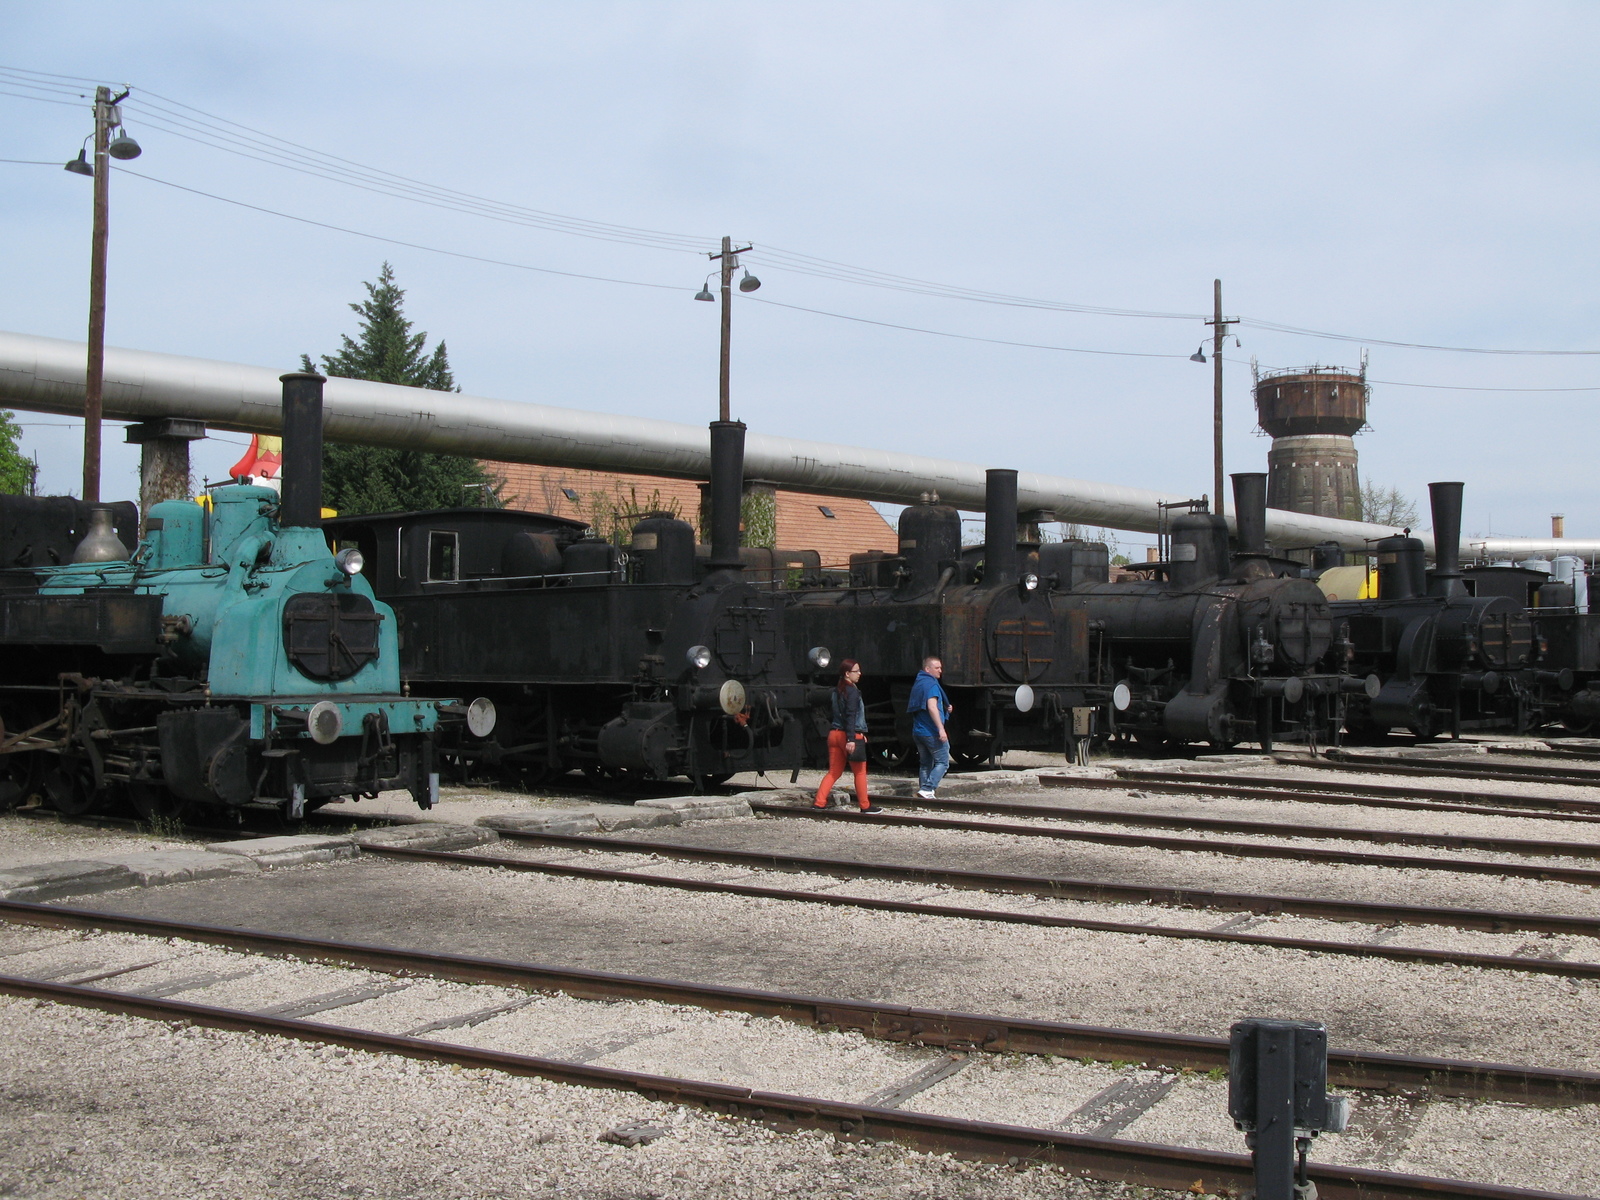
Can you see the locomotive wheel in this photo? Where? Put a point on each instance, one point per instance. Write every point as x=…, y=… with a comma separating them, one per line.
x=717, y=779
x=155, y=803
x=969, y=758
x=69, y=786
x=19, y=781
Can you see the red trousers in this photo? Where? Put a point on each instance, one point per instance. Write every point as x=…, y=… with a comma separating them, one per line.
x=838, y=760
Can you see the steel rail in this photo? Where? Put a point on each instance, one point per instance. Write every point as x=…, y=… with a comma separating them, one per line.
x=1412, y=954
x=1489, y=771
x=1249, y=849
x=878, y=1020
x=1148, y=1164
x=1048, y=886
x=1057, y=812
x=1375, y=795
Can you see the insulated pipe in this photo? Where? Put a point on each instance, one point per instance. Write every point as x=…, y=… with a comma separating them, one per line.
x=46, y=375
x=301, y=504
x=1000, y=559
x=1446, y=501
x=727, y=493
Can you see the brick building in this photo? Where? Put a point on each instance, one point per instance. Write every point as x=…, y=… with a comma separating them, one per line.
x=833, y=527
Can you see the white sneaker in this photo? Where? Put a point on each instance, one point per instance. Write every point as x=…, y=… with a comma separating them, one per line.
x=925, y=795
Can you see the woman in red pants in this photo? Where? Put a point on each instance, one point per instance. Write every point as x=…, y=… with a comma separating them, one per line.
x=849, y=726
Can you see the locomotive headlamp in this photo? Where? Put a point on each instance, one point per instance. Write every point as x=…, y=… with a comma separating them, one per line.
x=324, y=722
x=1121, y=697
x=819, y=657
x=699, y=657
x=1029, y=582
x=349, y=560
x=481, y=716
x=1024, y=698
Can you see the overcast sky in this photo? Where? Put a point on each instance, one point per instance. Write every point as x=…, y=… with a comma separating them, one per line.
x=1420, y=173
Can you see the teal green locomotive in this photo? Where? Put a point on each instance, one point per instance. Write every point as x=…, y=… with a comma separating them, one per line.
x=230, y=661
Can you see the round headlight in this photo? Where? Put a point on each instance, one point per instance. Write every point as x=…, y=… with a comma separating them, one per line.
x=699, y=657
x=819, y=656
x=1024, y=698
x=730, y=696
x=324, y=722
x=1121, y=697
x=349, y=560
x=1030, y=582
x=1294, y=689
x=481, y=716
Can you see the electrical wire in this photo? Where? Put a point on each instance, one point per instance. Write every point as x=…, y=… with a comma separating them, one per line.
x=498, y=262
x=966, y=337
x=182, y=120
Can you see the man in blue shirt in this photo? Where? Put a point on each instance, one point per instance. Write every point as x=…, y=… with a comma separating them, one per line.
x=929, y=708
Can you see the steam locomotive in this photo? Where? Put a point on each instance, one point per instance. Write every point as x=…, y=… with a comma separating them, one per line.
x=231, y=661
x=636, y=665
x=1017, y=665
x=1448, y=660
x=1218, y=649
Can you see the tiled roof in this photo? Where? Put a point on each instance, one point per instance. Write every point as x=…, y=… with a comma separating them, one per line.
x=596, y=495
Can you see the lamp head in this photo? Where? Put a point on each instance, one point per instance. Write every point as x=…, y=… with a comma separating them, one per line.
x=1199, y=355
x=123, y=146
x=703, y=294
x=749, y=283
x=80, y=165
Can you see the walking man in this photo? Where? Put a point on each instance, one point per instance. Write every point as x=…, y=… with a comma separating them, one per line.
x=930, y=708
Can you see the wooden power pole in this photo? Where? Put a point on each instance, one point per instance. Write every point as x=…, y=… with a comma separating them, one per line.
x=1219, y=332
x=94, y=381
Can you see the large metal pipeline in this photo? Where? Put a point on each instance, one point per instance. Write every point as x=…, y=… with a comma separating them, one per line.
x=47, y=375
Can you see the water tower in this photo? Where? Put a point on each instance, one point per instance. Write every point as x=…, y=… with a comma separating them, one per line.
x=1312, y=415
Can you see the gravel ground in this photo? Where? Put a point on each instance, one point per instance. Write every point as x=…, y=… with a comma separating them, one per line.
x=760, y=1053
x=164, y=1111
x=1528, y=826
x=867, y=841
x=1056, y=974
x=27, y=840
x=1518, y=943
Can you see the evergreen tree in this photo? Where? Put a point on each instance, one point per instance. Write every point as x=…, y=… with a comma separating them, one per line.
x=16, y=471
x=367, y=479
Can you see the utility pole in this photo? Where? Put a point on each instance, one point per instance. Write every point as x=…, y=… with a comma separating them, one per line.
x=730, y=260
x=97, y=299
x=1219, y=331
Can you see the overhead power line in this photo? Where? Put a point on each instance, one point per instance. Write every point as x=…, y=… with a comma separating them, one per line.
x=220, y=133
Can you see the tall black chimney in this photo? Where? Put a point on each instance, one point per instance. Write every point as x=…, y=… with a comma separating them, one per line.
x=727, y=493
x=1250, y=518
x=1446, y=501
x=301, y=505
x=1000, y=559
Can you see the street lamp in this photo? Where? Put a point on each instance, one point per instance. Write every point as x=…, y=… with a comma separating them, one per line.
x=730, y=261
x=107, y=116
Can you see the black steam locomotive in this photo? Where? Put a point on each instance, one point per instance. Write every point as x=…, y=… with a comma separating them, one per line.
x=1448, y=660
x=1218, y=649
x=644, y=664
x=1017, y=663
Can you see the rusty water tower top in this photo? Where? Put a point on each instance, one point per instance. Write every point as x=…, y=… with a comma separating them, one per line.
x=1312, y=400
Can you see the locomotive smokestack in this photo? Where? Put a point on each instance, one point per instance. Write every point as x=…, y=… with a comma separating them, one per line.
x=1000, y=560
x=1250, y=515
x=1446, y=501
x=727, y=491
x=301, y=505
x=1250, y=510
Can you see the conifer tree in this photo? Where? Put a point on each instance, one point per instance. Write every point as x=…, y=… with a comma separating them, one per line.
x=368, y=479
x=16, y=471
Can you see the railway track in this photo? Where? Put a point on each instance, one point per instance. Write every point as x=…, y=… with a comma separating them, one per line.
x=1240, y=849
x=938, y=1043
x=1384, y=917
x=1478, y=767
x=1375, y=795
